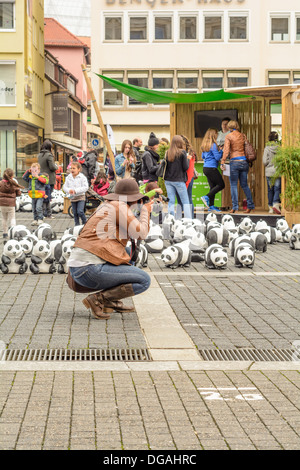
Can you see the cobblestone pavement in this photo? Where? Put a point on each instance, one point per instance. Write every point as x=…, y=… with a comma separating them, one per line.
x=145, y=408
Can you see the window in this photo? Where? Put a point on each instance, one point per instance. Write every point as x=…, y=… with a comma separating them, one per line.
x=112, y=97
x=188, y=28
x=71, y=85
x=279, y=78
x=76, y=126
x=163, y=81
x=280, y=29
x=50, y=68
x=298, y=29
x=213, y=28
x=296, y=77
x=138, y=79
x=212, y=80
x=113, y=28
x=238, y=28
x=237, y=79
x=7, y=15
x=163, y=28
x=187, y=82
x=138, y=29
x=7, y=83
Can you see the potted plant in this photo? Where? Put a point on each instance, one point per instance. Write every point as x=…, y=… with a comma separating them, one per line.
x=287, y=164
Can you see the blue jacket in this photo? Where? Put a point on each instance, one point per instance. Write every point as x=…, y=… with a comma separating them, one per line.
x=121, y=170
x=213, y=157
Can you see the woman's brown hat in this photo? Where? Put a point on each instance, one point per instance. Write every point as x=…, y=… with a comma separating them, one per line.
x=126, y=189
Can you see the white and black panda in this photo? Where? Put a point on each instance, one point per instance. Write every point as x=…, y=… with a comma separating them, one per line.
x=13, y=258
x=177, y=255
x=287, y=235
x=216, y=257
x=75, y=231
x=246, y=226
x=199, y=226
x=228, y=221
x=45, y=232
x=198, y=243
x=27, y=246
x=66, y=250
x=155, y=245
x=167, y=226
x=142, y=259
x=56, y=254
x=212, y=225
x=270, y=233
x=261, y=224
x=211, y=218
x=42, y=261
x=18, y=232
x=282, y=225
x=244, y=256
x=237, y=241
x=218, y=236
x=260, y=241
x=233, y=233
x=295, y=238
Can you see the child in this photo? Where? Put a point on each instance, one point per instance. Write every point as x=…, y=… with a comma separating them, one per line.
x=9, y=190
x=101, y=184
x=37, y=190
x=76, y=186
x=212, y=156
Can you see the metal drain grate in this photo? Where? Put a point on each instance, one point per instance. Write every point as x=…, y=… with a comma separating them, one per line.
x=90, y=355
x=256, y=355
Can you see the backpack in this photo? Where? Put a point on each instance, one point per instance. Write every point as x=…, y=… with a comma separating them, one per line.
x=250, y=152
x=137, y=172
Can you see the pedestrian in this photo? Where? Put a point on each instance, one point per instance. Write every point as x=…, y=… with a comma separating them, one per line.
x=89, y=165
x=125, y=162
x=137, y=145
x=101, y=184
x=37, y=182
x=192, y=157
x=274, y=187
x=9, y=191
x=47, y=163
x=76, y=186
x=47, y=211
x=176, y=176
x=223, y=132
x=212, y=156
x=234, y=149
x=100, y=264
x=58, y=173
x=150, y=160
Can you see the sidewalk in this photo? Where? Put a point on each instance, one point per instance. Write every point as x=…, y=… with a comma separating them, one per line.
x=175, y=401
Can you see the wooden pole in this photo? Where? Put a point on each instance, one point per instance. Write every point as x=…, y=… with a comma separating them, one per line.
x=98, y=114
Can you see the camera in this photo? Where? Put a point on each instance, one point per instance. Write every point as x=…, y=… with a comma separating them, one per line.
x=160, y=196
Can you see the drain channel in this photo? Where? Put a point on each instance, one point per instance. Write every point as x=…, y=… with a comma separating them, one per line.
x=256, y=355
x=51, y=355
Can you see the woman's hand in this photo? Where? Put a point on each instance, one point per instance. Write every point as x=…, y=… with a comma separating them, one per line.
x=223, y=167
x=72, y=192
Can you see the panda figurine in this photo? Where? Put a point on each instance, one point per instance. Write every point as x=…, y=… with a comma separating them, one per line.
x=13, y=258
x=142, y=260
x=45, y=232
x=155, y=245
x=246, y=226
x=42, y=261
x=237, y=241
x=18, y=232
x=287, y=235
x=27, y=246
x=216, y=257
x=167, y=226
x=227, y=220
x=270, y=233
x=233, y=233
x=282, y=225
x=218, y=236
x=295, y=238
x=244, y=256
x=75, y=231
x=211, y=218
x=260, y=241
x=176, y=256
x=65, y=253
x=261, y=224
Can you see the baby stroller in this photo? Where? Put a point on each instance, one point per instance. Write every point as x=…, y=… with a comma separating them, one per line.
x=92, y=201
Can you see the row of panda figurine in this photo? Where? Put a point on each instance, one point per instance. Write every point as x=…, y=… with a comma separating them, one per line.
x=196, y=241
x=24, y=202
x=39, y=252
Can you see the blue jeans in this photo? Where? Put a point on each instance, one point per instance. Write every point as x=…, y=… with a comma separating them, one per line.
x=274, y=191
x=37, y=209
x=177, y=188
x=239, y=172
x=78, y=211
x=106, y=276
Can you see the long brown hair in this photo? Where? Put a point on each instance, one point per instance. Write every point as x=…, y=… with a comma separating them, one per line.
x=8, y=175
x=209, y=139
x=176, y=148
x=189, y=148
x=131, y=152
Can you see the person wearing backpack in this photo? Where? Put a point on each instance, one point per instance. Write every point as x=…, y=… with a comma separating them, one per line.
x=234, y=149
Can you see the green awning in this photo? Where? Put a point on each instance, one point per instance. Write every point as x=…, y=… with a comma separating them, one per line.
x=144, y=95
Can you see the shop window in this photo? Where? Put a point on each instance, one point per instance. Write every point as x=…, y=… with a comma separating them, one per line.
x=280, y=29
x=188, y=28
x=163, y=28
x=138, y=79
x=7, y=150
x=279, y=78
x=113, y=28
x=7, y=14
x=238, y=28
x=112, y=97
x=7, y=83
x=138, y=29
x=237, y=79
x=212, y=81
x=213, y=28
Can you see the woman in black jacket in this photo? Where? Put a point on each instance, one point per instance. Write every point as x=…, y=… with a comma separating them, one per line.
x=150, y=160
x=47, y=162
x=176, y=176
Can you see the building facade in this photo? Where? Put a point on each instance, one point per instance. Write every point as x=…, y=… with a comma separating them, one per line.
x=188, y=46
x=74, y=15
x=22, y=68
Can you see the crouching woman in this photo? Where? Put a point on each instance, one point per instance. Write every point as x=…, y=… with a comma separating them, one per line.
x=100, y=263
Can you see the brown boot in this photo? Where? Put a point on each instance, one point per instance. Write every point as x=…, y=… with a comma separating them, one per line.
x=95, y=304
x=113, y=296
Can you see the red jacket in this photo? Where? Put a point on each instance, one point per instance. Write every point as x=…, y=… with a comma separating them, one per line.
x=191, y=171
x=101, y=189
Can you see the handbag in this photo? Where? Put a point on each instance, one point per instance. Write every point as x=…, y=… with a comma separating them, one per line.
x=77, y=287
x=250, y=152
x=161, y=172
